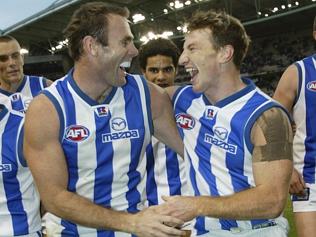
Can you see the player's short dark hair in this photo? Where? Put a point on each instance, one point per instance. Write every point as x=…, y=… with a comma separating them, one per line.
x=226, y=30
x=160, y=46
x=90, y=19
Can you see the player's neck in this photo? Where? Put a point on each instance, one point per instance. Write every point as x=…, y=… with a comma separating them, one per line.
x=90, y=84
x=10, y=86
x=225, y=87
x=105, y=94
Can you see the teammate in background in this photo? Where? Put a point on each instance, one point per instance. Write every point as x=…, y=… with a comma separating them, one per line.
x=86, y=135
x=297, y=92
x=237, y=139
x=158, y=59
x=19, y=199
x=16, y=89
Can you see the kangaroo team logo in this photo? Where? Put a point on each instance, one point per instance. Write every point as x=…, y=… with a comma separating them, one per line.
x=185, y=121
x=311, y=86
x=76, y=133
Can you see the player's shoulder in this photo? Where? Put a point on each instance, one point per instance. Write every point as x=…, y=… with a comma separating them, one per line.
x=40, y=102
x=273, y=120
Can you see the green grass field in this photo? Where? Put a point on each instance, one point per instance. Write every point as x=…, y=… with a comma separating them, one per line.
x=289, y=216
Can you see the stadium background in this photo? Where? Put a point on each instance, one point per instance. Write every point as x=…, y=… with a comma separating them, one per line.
x=281, y=33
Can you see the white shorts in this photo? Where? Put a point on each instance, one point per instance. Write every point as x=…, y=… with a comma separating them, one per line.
x=306, y=203
x=279, y=230
x=37, y=234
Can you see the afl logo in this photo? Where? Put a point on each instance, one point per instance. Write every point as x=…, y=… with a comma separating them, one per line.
x=76, y=133
x=311, y=86
x=185, y=121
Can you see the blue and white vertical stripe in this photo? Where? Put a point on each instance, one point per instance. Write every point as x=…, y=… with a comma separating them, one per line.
x=19, y=199
x=30, y=87
x=218, y=145
x=304, y=114
x=166, y=172
x=104, y=145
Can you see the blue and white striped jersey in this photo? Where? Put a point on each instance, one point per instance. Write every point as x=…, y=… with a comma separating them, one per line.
x=166, y=172
x=30, y=87
x=304, y=114
x=19, y=199
x=218, y=146
x=104, y=145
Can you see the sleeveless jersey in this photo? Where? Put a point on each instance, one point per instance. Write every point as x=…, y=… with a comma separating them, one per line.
x=20, y=100
x=104, y=146
x=19, y=199
x=218, y=148
x=166, y=172
x=304, y=114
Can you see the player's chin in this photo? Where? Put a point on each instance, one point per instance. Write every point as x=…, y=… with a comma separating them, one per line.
x=16, y=78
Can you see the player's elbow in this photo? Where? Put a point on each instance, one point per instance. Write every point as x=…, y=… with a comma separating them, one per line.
x=55, y=202
x=278, y=205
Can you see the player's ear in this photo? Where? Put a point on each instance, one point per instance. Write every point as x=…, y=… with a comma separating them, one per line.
x=226, y=53
x=89, y=45
x=22, y=59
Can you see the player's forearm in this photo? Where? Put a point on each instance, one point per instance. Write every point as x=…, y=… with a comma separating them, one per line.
x=255, y=203
x=166, y=129
x=82, y=211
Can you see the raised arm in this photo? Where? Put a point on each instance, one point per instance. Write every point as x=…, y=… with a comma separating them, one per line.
x=272, y=168
x=286, y=90
x=164, y=124
x=285, y=93
x=46, y=160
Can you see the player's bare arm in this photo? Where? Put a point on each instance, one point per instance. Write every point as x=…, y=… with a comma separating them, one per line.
x=286, y=93
x=46, y=160
x=164, y=124
x=273, y=153
x=286, y=90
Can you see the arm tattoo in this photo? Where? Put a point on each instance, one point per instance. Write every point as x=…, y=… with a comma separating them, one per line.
x=272, y=137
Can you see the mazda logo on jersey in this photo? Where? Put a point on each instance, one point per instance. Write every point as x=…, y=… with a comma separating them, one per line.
x=219, y=140
x=311, y=86
x=185, y=121
x=76, y=133
x=5, y=168
x=118, y=124
x=230, y=148
x=221, y=133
